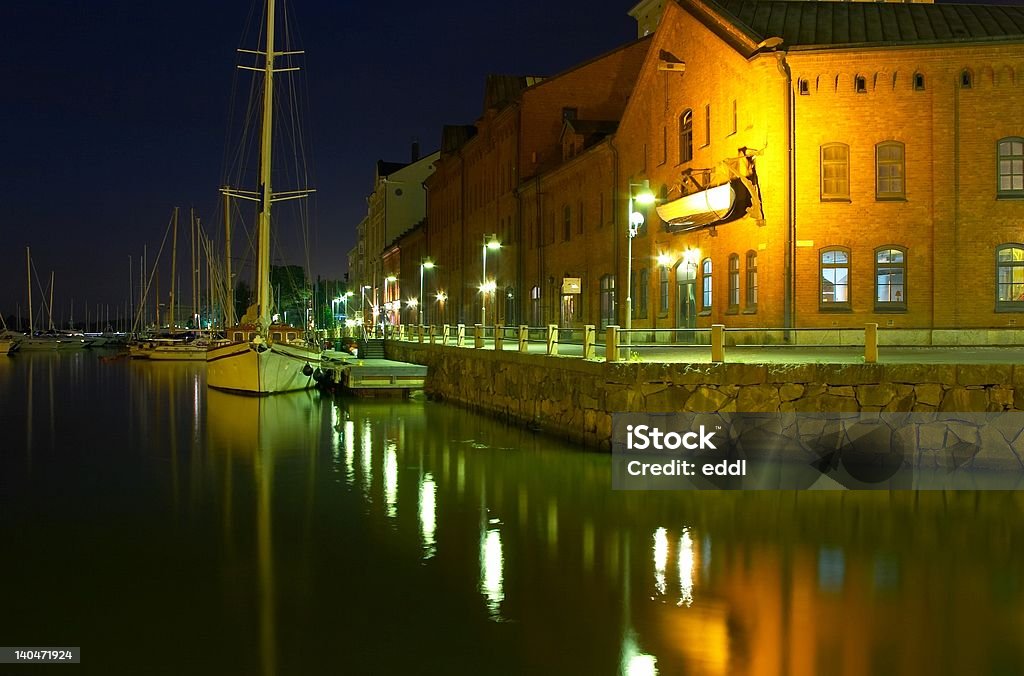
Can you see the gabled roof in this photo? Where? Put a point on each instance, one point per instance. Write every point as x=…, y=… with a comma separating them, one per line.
x=847, y=24
x=501, y=90
x=385, y=169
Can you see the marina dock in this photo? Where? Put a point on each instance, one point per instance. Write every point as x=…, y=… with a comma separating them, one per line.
x=371, y=376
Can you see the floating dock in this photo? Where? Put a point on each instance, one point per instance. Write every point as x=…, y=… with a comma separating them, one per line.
x=370, y=377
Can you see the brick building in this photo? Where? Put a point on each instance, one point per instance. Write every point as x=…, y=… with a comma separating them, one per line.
x=475, y=195
x=826, y=165
x=814, y=164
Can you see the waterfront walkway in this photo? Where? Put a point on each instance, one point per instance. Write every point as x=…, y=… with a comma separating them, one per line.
x=796, y=354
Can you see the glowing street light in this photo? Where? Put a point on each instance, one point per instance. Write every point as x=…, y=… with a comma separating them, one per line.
x=425, y=265
x=490, y=243
x=644, y=197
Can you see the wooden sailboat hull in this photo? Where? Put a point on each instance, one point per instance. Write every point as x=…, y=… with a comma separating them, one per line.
x=249, y=368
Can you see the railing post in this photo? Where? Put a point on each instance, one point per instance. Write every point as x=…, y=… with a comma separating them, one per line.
x=433, y=334
x=499, y=338
x=524, y=338
x=718, y=343
x=460, y=337
x=611, y=343
x=552, y=338
x=589, y=336
x=870, y=343
x=401, y=331
x=478, y=336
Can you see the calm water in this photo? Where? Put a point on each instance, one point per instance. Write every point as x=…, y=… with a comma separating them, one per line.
x=167, y=529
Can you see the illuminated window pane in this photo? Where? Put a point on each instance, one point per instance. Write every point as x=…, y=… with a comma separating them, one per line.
x=706, y=283
x=1010, y=164
x=890, y=275
x=835, y=279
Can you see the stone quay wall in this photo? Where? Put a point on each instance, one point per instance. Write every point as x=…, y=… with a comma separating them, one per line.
x=575, y=398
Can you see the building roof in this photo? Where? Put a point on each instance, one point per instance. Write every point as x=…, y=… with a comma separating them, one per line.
x=387, y=168
x=847, y=24
x=501, y=90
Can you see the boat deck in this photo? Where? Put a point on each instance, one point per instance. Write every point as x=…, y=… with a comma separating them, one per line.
x=371, y=376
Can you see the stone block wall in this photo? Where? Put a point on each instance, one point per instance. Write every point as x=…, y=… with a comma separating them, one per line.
x=575, y=398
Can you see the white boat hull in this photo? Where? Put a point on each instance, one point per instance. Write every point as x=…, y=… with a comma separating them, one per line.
x=260, y=369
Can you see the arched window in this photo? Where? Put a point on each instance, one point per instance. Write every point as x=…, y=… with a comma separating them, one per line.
x=835, y=279
x=966, y=79
x=1010, y=166
x=835, y=172
x=1010, y=278
x=751, y=300
x=706, y=284
x=919, y=82
x=890, y=279
x=734, y=282
x=686, y=136
x=889, y=171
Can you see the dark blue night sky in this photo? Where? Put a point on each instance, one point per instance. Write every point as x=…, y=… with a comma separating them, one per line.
x=114, y=112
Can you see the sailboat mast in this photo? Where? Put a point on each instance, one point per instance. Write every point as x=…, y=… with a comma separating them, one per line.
x=49, y=308
x=263, y=269
x=174, y=269
x=28, y=276
x=229, y=302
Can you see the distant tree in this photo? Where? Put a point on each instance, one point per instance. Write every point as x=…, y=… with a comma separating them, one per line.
x=243, y=298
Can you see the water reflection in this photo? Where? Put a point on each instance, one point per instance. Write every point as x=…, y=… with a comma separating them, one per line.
x=492, y=564
x=428, y=514
x=293, y=523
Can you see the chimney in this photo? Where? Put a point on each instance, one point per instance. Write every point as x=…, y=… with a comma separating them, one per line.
x=415, y=150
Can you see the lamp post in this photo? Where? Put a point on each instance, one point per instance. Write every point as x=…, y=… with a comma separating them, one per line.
x=490, y=242
x=389, y=304
x=643, y=196
x=425, y=265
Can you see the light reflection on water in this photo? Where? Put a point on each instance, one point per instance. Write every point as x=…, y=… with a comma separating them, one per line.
x=507, y=551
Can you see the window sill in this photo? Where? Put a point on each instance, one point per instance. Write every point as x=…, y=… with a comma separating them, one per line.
x=750, y=310
x=894, y=198
x=1010, y=307
x=704, y=313
x=1010, y=196
x=835, y=308
x=733, y=311
x=845, y=200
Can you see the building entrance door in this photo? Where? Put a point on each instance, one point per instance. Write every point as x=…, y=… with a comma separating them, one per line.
x=686, y=300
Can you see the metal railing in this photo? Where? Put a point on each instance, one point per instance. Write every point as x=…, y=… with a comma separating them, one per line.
x=615, y=344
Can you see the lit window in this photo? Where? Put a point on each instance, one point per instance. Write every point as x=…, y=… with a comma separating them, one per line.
x=835, y=279
x=751, y=280
x=734, y=281
x=835, y=172
x=686, y=136
x=1010, y=277
x=889, y=171
x=890, y=279
x=1011, y=167
x=706, y=284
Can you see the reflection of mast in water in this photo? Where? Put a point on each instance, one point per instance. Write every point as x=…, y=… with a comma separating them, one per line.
x=258, y=429
x=632, y=662
x=391, y=478
x=28, y=418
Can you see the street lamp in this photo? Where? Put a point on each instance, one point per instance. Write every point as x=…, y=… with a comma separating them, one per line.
x=644, y=197
x=425, y=265
x=490, y=242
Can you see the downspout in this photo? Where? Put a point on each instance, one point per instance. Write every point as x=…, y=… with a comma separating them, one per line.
x=462, y=237
x=615, y=228
x=517, y=304
x=789, y=276
x=956, y=202
x=542, y=280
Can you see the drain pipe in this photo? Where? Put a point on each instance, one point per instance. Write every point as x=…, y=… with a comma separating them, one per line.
x=789, y=289
x=615, y=226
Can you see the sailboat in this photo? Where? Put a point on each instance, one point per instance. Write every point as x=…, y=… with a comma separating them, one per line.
x=263, y=357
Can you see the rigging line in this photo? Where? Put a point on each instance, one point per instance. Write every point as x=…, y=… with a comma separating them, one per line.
x=145, y=295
